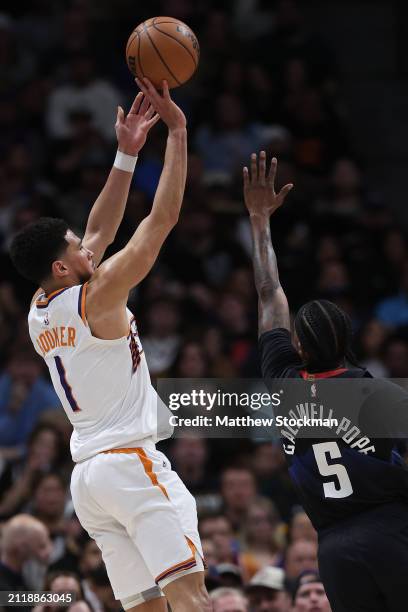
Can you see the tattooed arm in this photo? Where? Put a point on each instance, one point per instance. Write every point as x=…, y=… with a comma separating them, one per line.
x=261, y=202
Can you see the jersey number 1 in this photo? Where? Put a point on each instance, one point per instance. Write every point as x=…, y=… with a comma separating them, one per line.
x=331, y=449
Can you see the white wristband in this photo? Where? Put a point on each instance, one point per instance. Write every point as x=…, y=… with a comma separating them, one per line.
x=124, y=162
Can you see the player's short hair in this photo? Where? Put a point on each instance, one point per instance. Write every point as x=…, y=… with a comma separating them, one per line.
x=324, y=332
x=35, y=247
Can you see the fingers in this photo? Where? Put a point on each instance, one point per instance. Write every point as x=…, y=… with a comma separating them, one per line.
x=141, y=85
x=120, y=117
x=272, y=171
x=153, y=121
x=262, y=167
x=245, y=173
x=254, y=168
x=149, y=90
x=134, y=109
x=149, y=113
x=166, y=92
x=284, y=192
x=144, y=107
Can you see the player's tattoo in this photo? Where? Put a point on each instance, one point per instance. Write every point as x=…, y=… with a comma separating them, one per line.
x=273, y=310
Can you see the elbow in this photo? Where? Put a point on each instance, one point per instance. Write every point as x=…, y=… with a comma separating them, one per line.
x=168, y=219
x=173, y=218
x=110, y=240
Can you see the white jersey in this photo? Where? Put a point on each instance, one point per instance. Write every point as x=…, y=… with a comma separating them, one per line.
x=103, y=385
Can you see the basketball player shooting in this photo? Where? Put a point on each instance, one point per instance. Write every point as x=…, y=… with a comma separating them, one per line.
x=125, y=494
x=356, y=495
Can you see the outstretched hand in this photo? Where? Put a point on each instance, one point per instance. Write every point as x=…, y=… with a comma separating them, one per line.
x=259, y=188
x=162, y=103
x=132, y=129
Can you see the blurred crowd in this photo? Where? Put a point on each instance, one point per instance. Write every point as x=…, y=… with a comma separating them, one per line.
x=266, y=80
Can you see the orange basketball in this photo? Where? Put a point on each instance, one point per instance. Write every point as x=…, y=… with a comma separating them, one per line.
x=163, y=48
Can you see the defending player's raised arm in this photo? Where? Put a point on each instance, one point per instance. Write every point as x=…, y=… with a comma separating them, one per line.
x=107, y=212
x=116, y=276
x=261, y=202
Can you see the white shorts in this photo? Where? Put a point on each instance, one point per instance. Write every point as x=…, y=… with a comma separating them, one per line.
x=141, y=516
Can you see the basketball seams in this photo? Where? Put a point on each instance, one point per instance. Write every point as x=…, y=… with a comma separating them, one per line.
x=177, y=41
x=139, y=57
x=154, y=22
x=161, y=57
x=131, y=39
x=130, y=42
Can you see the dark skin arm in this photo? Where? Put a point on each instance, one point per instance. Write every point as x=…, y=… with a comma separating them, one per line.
x=261, y=202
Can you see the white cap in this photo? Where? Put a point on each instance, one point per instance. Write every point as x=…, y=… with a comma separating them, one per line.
x=268, y=577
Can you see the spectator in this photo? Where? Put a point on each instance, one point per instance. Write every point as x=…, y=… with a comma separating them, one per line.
x=301, y=528
x=266, y=591
x=260, y=547
x=24, y=538
x=309, y=594
x=395, y=357
x=161, y=340
x=238, y=491
x=24, y=395
x=300, y=556
x=217, y=529
x=191, y=361
x=372, y=337
x=83, y=91
x=216, y=351
x=209, y=552
x=345, y=198
x=228, y=575
x=61, y=582
x=48, y=505
x=90, y=560
x=44, y=453
x=100, y=586
x=228, y=139
x=269, y=466
x=229, y=599
x=190, y=458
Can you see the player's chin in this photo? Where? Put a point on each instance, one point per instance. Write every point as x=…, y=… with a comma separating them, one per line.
x=86, y=274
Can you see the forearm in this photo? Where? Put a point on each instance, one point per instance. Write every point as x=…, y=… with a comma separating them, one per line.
x=263, y=256
x=170, y=191
x=107, y=212
x=273, y=310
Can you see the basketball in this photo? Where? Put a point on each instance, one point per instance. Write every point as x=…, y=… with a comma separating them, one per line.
x=163, y=48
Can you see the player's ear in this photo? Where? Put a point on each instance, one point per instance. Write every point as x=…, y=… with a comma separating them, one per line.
x=59, y=269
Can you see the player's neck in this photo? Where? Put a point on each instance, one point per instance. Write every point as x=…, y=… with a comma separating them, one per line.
x=53, y=285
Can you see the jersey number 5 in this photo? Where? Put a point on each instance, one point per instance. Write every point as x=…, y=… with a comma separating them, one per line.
x=344, y=488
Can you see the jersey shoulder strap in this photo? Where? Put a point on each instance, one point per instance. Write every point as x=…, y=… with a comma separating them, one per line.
x=58, y=320
x=69, y=299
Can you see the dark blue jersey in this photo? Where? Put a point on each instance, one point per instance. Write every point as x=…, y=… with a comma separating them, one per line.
x=338, y=475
